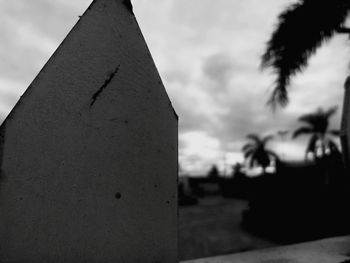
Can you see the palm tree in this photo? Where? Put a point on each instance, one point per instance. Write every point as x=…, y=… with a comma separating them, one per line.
x=302, y=28
x=320, y=143
x=256, y=152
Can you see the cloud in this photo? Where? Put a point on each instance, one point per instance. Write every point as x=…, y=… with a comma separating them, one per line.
x=208, y=55
x=198, y=151
x=218, y=68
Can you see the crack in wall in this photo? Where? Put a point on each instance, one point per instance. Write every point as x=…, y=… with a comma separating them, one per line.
x=104, y=85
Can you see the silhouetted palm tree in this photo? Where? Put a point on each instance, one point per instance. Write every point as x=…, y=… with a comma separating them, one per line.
x=320, y=143
x=302, y=28
x=256, y=152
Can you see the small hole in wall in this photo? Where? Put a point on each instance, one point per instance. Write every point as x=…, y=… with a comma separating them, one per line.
x=118, y=196
x=21, y=198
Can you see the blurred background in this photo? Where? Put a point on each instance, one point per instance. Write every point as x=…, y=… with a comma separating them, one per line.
x=245, y=173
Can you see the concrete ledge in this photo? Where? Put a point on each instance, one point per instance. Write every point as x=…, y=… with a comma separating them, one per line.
x=332, y=250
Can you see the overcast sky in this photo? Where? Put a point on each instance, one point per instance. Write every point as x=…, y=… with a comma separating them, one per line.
x=208, y=55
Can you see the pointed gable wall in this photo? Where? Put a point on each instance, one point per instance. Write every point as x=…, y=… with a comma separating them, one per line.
x=89, y=153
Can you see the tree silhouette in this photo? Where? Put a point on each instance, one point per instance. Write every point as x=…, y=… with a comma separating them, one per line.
x=213, y=172
x=302, y=28
x=256, y=152
x=320, y=143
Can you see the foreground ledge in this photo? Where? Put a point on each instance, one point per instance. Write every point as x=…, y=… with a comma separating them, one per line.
x=331, y=250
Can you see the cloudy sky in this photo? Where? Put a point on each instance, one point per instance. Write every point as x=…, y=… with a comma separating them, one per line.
x=208, y=55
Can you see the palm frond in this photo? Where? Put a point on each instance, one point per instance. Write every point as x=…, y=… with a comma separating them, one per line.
x=318, y=120
x=311, y=147
x=248, y=153
x=247, y=147
x=252, y=160
x=331, y=111
x=279, y=96
x=254, y=137
x=334, y=132
x=302, y=130
x=333, y=147
x=267, y=138
x=287, y=52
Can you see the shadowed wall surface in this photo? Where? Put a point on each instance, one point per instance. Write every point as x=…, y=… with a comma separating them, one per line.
x=89, y=153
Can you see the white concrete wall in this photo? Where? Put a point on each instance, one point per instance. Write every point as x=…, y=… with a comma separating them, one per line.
x=331, y=250
x=89, y=154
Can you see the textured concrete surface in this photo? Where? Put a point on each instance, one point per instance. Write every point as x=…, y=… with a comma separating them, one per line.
x=332, y=250
x=89, y=153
